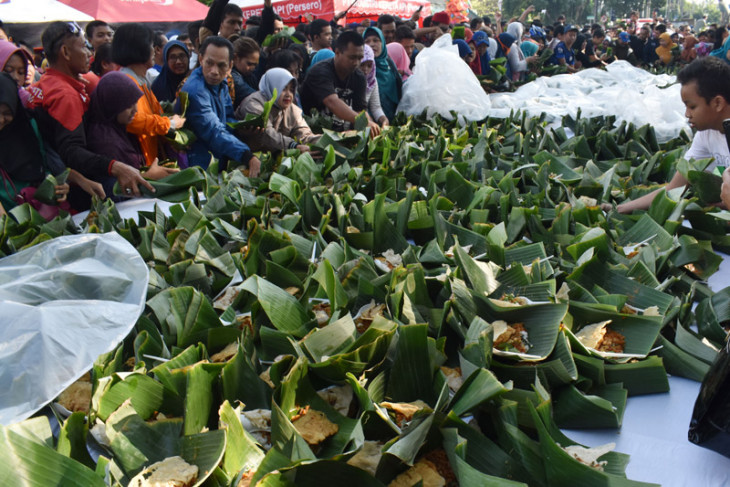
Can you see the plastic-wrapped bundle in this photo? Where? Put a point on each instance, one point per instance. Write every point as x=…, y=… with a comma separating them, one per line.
x=629, y=93
x=63, y=303
x=442, y=82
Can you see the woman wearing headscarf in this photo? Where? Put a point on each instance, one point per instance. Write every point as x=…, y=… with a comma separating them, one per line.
x=722, y=45
x=322, y=55
x=175, y=67
x=667, y=51
x=398, y=54
x=386, y=72
x=516, y=59
x=286, y=128
x=21, y=158
x=372, y=94
x=113, y=107
x=465, y=52
x=15, y=62
x=481, y=41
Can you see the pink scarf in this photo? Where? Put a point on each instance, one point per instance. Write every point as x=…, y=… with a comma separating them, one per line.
x=369, y=55
x=398, y=54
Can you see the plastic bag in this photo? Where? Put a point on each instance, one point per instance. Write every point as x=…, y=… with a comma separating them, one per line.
x=63, y=303
x=631, y=94
x=441, y=82
x=710, y=424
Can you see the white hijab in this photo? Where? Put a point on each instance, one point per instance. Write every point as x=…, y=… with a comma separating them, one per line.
x=276, y=79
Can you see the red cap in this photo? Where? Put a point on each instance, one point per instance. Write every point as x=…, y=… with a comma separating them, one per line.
x=441, y=17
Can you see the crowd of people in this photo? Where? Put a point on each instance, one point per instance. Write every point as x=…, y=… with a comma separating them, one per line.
x=105, y=103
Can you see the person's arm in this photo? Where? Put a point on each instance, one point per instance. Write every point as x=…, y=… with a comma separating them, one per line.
x=517, y=63
x=374, y=107
x=267, y=22
x=208, y=127
x=497, y=23
x=645, y=201
x=339, y=108
x=527, y=12
x=424, y=31
x=147, y=123
x=212, y=23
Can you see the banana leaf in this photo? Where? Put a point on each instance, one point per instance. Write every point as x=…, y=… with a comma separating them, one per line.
x=137, y=444
x=706, y=186
x=256, y=121
x=563, y=469
x=174, y=188
x=46, y=191
x=541, y=321
x=31, y=463
x=287, y=33
x=182, y=139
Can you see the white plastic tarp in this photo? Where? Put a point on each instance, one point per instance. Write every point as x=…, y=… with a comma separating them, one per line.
x=63, y=303
x=631, y=94
x=37, y=11
x=442, y=82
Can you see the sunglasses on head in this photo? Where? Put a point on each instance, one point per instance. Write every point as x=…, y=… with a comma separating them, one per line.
x=72, y=29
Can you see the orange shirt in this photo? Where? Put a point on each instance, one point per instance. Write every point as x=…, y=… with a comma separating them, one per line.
x=148, y=124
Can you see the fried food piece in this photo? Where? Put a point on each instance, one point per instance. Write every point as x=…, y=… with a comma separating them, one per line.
x=510, y=336
x=423, y=471
x=368, y=457
x=76, y=397
x=404, y=411
x=226, y=354
x=171, y=472
x=314, y=427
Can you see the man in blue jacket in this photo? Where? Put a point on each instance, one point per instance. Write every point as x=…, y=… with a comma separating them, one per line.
x=210, y=108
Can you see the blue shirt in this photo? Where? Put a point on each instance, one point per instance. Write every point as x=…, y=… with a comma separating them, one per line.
x=210, y=108
x=562, y=52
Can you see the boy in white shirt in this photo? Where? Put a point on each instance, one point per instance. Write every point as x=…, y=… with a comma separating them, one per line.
x=706, y=96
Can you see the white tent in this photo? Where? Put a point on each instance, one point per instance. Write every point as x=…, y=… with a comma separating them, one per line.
x=38, y=11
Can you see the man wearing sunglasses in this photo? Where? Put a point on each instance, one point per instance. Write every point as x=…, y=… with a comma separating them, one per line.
x=61, y=100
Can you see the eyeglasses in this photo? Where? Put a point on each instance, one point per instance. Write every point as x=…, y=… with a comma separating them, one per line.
x=72, y=28
x=178, y=57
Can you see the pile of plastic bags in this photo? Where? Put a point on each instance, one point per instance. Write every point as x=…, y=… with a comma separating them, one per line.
x=629, y=93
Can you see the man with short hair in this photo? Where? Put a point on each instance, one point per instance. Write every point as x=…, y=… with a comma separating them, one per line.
x=558, y=36
x=210, y=108
x=442, y=20
x=563, y=54
x=405, y=36
x=60, y=99
x=336, y=87
x=623, y=51
x=706, y=96
x=386, y=24
x=476, y=24
x=232, y=22
x=98, y=32
x=320, y=35
x=159, y=41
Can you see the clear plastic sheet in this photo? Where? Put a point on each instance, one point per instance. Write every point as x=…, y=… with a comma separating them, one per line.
x=62, y=304
x=631, y=94
x=442, y=82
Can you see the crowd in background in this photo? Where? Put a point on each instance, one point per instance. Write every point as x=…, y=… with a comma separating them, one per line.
x=106, y=102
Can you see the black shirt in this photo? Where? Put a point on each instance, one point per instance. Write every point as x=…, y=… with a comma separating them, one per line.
x=322, y=81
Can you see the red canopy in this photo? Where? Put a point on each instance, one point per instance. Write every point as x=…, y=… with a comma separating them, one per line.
x=141, y=10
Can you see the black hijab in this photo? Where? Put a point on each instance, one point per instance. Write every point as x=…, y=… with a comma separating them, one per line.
x=20, y=157
x=166, y=84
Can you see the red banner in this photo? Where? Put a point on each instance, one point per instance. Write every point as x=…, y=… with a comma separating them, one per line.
x=294, y=11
